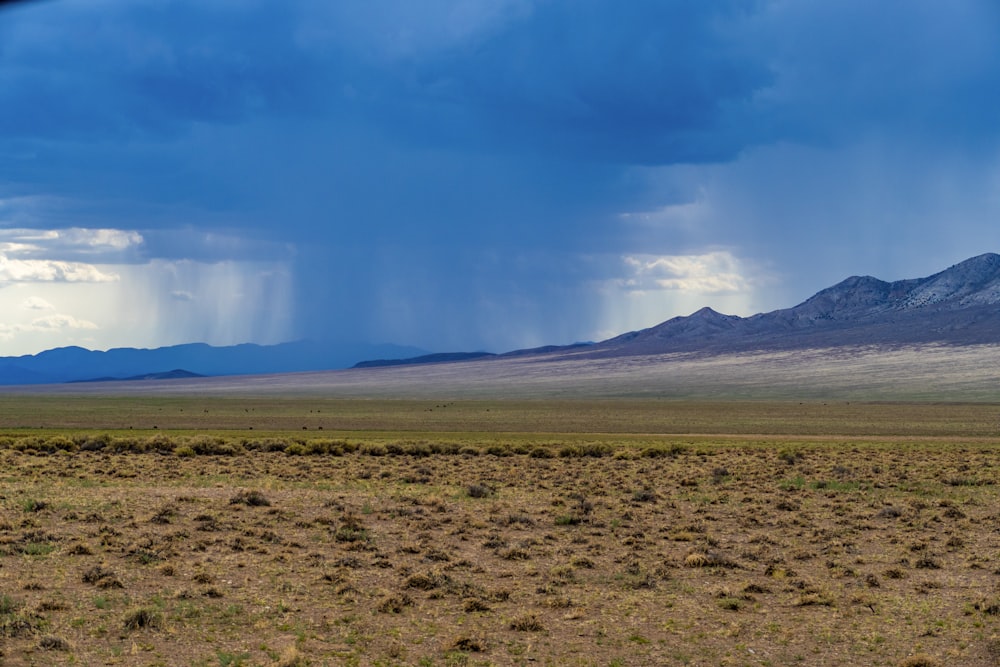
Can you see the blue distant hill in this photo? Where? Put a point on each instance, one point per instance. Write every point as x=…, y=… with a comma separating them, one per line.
x=76, y=364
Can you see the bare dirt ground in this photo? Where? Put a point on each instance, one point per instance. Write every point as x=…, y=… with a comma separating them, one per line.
x=547, y=551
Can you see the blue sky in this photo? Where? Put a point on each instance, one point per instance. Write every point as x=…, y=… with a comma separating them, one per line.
x=477, y=174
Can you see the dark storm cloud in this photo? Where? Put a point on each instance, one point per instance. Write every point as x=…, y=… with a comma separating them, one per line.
x=478, y=166
x=630, y=83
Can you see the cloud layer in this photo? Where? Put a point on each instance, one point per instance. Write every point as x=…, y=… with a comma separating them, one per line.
x=484, y=173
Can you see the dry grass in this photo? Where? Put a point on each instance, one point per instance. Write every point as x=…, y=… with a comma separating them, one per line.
x=606, y=551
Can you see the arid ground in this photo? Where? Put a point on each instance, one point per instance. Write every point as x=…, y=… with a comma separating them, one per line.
x=474, y=533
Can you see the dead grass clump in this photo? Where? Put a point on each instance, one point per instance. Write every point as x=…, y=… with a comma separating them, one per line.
x=990, y=608
x=53, y=643
x=394, y=604
x=926, y=562
x=709, y=559
x=291, y=657
x=144, y=617
x=920, y=660
x=697, y=560
x=468, y=645
x=80, y=549
x=953, y=513
x=730, y=604
x=636, y=580
x=790, y=456
x=164, y=515
x=889, y=512
x=515, y=519
x=478, y=491
x=529, y=623
x=350, y=534
x=644, y=496
x=515, y=553
x=666, y=451
x=374, y=449
x=755, y=589
x=425, y=582
x=500, y=595
x=814, y=600
x=250, y=498
x=475, y=604
x=14, y=622
x=102, y=578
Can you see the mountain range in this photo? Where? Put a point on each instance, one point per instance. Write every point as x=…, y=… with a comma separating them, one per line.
x=959, y=306
x=76, y=364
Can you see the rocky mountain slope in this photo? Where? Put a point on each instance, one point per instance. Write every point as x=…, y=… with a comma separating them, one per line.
x=960, y=306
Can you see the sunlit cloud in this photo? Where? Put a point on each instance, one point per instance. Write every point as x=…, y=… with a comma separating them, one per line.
x=43, y=270
x=59, y=321
x=54, y=323
x=649, y=289
x=37, y=303
x=711, y=273
x=68, y=243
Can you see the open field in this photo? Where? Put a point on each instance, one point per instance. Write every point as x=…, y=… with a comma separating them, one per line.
x=256, y=416
x=496, y=533
x=861, y=373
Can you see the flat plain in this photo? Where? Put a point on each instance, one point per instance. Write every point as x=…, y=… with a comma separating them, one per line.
x=170, y=530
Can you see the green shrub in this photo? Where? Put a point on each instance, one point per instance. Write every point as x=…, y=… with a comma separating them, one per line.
x=60, y=443
x=596, y=450
x=93, y=443
x=374, y=449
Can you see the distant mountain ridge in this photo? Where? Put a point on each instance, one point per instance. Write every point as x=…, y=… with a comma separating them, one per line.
x=956, y=306
x=75, y=364
x=176, y=374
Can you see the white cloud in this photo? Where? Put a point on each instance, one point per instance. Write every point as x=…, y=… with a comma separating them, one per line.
x=710, y=273
x=59, y=321
x=44, y=270
x=37, y=303
x=98, y=240
x=59, y=242
x=55, y=323
x=145, y=305
x=649, y=289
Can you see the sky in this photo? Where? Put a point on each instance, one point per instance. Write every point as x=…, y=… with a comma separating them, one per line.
x=477, y=174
